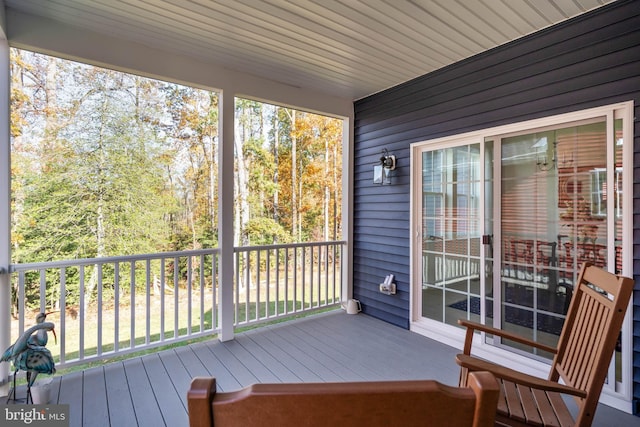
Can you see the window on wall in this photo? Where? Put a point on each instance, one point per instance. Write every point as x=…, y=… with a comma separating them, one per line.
x=599, y=192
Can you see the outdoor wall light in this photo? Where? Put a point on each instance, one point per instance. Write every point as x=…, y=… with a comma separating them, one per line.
x=381, y=171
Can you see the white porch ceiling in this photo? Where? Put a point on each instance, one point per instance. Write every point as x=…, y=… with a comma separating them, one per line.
x=347, y=48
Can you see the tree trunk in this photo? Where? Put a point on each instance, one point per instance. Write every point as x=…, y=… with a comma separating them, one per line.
x=276, y=157
x=100, y=228
x=51, y=125
x=242, y=205
x=17, y=84
x=327, y=193
x=52, y=100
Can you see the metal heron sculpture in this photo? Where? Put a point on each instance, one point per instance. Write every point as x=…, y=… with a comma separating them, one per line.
x=28, y=356
x=35, y=360
x=40, y=337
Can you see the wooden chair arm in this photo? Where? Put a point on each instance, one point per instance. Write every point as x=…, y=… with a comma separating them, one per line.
x=487, y=390
x=475, y=364
x=473, y=326
x=199, y=398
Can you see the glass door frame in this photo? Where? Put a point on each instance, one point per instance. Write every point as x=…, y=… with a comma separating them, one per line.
x=618, y=395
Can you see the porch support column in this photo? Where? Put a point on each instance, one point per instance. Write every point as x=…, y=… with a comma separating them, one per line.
x=225, y=215
x=5, y=210
x=347, y=208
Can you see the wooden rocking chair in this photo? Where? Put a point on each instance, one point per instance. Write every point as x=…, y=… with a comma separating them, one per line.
x=581, y=359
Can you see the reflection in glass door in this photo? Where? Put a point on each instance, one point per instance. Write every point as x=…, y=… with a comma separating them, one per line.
x=553, y=217
x=545, y=209
x=451, y=233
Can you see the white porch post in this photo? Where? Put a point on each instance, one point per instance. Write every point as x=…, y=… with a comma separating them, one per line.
x=225, y=214
x=5, y=210
x=347, y=207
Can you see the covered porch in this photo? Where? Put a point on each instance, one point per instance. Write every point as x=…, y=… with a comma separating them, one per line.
x=151, y=389
x=329, y=347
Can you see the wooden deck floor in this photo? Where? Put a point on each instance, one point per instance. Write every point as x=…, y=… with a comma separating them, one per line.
x=151, y=390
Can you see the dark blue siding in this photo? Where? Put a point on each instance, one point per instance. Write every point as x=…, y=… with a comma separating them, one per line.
x=589, y=61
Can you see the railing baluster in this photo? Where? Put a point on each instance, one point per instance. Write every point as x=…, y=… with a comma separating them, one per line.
x=189, y=293
x=304, y=277
x=326, y=275
x=202, y=286
x=286, y=280
x=319, y=278
x=267, y=284
x=63, y=316
x=99, y=286
x=162, y=294
x=147, y=285
x=116, y=307
x=214, y=294
x=82, y=314
x=258, y=284
x=247, y=287
x=237, y=287
x=176, y=296
x=21, y=302
x=311, y=281
x=132, y=306
x=43, y=291
x=295, y=279
x=277, y=304
x=341, y=250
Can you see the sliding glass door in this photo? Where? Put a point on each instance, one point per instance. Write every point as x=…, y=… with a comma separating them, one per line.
x=506, y=219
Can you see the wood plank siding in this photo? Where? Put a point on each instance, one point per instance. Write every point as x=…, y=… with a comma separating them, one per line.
x=589, y=61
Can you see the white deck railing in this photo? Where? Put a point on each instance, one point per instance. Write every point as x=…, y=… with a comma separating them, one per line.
x=282, y=280
x=105, y=307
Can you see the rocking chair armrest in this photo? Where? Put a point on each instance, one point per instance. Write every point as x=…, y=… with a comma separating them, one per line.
x=473, y=326
x=474, y=364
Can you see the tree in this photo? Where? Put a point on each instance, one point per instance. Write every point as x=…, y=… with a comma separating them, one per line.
x=106, y=163
x=95, y=183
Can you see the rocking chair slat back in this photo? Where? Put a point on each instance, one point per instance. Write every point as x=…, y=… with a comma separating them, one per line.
x=588, y=339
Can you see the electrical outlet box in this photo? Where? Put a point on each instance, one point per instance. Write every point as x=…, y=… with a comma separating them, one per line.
x=388, y=289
